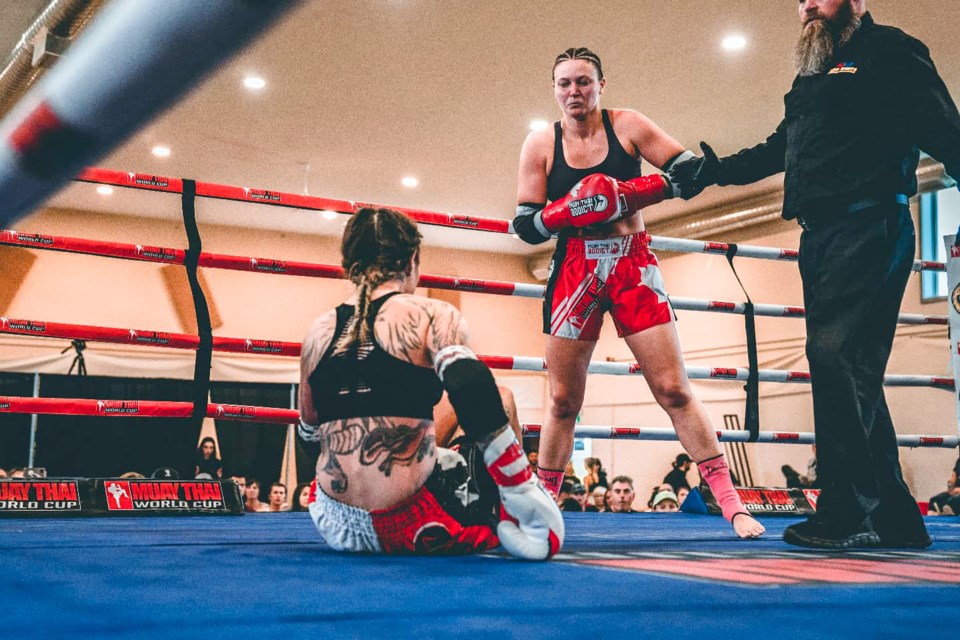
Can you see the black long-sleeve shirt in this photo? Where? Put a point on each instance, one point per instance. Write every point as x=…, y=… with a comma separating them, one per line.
x=854, y=131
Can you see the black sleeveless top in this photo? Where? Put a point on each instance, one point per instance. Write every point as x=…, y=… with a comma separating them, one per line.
x=367, y=381
x=618, y=164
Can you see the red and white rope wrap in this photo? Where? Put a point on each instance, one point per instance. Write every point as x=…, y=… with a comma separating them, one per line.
x=284, y=267
x=494, y=225
x=244, y=413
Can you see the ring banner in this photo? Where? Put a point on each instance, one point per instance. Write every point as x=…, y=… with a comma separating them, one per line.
x=953, y=313
x=59, y=497
x=765, y=501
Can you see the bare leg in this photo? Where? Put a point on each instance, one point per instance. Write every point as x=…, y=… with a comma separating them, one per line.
x=657, y=351
x=567, y=362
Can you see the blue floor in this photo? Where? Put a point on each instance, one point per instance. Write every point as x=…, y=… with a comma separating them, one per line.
x=269, y=576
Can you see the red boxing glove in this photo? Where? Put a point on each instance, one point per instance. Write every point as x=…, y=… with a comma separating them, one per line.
x=600, y=199
x=645, y=191
x=592, y=201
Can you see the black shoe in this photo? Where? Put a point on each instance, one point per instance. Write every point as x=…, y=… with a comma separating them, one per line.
x=820, y=534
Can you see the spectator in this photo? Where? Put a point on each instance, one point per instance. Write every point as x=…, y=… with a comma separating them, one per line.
x=3, y=473
x=241, y=483
x=532, y=459
x=948, y=502
x=251, y=495
x=571, y=504
x=278, y=498
x=794, y=479
x=16, y=472
x=570, y=475
x=666, y=501
x=301, y=497
x=598, y=496
x=621, y=495
x=596, y=476
x=207, y=460
x=678, y=476
x=682, y=495
x=132, y=475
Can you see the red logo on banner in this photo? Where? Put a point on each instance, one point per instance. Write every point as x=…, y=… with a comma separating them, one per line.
x=260, y=194
x=465, y=221
x=468, y=285
x=793, y=311
x=714, y=304
x=266, y=265
x=786, y=437
x=118, y=495
x=118, y=407
x=723, y=373
x=624, y=431
x=789, y=253
x=715, y=247
x=532, y=428
x=235, y=412
x=811, y=495
x=4, y=404
x=797, y=375
x=148, y=180
x=263, y=346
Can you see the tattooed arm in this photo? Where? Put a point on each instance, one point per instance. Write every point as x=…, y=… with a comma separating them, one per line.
x=314, y=345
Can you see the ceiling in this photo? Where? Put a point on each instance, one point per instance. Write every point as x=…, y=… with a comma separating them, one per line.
x=363, y=92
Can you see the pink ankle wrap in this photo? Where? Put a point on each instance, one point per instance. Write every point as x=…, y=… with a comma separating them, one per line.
x=552, y=480
x=716, y=474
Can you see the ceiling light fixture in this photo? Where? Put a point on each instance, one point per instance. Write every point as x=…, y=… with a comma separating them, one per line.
x=104, y=190
x=161, y=152
x=409, y=182
x=328, y=215
x=538, y=125
x=254, y=82
x=734, y=43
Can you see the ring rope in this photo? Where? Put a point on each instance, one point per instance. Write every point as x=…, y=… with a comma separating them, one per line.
x=246, y=413
x=148, y=182
x=165, y=255
x=514, y=363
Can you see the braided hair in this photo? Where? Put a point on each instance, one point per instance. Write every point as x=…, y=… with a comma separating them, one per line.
x=377, y=247
x=580, y=53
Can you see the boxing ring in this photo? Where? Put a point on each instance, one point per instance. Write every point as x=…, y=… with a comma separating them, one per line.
x=630, y=575
x=655, y=574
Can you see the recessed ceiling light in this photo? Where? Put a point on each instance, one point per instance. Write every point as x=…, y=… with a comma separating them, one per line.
x=328, y=215
x=734, y=43
x=161, y=152
x=410, y=182
x=254, y=82
x=104, y=190
x=538, y=125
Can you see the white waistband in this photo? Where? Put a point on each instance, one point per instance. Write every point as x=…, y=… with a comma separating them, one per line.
x=343, y=527
x=606, y=247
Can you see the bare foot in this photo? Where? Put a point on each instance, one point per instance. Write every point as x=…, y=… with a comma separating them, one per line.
x=746, y=526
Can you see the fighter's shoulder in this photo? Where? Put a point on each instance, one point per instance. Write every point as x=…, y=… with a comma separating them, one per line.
x=540, y=142
x=421, y=306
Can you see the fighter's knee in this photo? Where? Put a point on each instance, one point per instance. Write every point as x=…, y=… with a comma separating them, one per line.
x=673, y=396
x=824, y=348
x=563, y=406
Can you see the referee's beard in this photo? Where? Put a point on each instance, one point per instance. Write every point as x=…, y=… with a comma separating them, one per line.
x=819, y=38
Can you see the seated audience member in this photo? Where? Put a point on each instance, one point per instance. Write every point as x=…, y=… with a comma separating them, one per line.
x=596, y=476
x=532, y=457
x=570, y=475
x=132, y=475
x=657, y=489
x=682, y=495
x=165, y=473
x=678, y=475
x=666, y=501
x=241, y=482
x=251, y=495
x=571, y=504
x=3, y=473
x=278, y=498
x=621, y=495
x=16, y=472
x=207, y=460
x=948, y=502
x=598, y=502
x=301, y=497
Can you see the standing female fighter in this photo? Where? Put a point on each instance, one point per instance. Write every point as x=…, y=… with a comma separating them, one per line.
x=371, y=371
x=588, y=167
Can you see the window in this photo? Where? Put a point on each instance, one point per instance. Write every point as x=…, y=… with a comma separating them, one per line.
x=939, y=216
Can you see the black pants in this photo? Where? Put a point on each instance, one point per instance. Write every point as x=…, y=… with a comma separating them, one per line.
x=855, y=269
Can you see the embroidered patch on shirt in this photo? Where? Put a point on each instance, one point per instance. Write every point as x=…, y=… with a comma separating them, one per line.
x=843, y=67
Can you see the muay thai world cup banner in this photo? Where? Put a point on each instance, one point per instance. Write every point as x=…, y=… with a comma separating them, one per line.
x=953, y=314
x=769, y=501
x=118, y=497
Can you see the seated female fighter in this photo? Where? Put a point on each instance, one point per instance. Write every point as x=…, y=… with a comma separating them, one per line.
x=371, y=371
x=588, y=166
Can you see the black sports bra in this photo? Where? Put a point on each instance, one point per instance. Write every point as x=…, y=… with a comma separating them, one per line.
x=367, y=381
x=618, y=164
